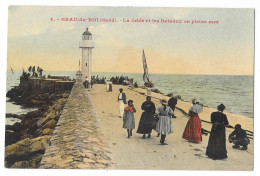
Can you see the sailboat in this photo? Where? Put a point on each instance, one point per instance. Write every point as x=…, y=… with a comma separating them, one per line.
x=147, y=82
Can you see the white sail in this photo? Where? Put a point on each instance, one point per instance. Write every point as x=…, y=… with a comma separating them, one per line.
x=145, y=75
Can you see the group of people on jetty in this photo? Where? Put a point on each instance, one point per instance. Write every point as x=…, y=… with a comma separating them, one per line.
x=121, y=80
x=160, y=119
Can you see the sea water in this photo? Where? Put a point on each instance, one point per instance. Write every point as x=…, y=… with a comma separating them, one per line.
x=235, y=92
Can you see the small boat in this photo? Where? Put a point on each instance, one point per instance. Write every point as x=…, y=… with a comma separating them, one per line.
x=147, y=82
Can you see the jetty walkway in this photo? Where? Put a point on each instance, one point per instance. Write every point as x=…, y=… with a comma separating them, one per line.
x=89, y=135
x=77, y=141
x=137, y=153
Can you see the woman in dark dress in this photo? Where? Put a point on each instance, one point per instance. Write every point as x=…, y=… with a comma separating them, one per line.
x=216, y=148
x=146, y=120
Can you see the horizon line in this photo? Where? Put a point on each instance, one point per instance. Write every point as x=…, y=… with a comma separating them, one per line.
x=142, y=73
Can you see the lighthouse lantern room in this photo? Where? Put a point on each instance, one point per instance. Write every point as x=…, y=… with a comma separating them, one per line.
x=86, y=63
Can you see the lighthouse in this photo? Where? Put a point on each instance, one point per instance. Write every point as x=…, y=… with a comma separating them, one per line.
x=86, y=63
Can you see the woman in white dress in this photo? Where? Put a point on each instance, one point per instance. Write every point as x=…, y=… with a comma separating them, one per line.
x=164, y=125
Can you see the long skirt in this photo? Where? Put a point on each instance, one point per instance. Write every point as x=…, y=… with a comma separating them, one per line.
x=164, y=125
x=192, y=131
x=128, y=120
x=216, y=148
x=107, y=87
x=145, y=124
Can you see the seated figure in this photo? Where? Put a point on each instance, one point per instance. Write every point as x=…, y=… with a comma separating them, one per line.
x=239, y=138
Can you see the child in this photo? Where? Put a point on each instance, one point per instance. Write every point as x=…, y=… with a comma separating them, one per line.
x=128, y=118
x=239, y=137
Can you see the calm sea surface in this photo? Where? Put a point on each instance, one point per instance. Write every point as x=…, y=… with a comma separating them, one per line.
x=235, y=92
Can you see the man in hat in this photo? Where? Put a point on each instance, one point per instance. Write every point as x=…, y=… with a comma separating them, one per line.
x=239, y=138
x=122, y=101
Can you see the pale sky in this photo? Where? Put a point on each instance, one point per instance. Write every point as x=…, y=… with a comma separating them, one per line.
x=224, y=48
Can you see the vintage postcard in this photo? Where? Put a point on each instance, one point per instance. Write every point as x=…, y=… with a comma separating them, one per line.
x=130, y=88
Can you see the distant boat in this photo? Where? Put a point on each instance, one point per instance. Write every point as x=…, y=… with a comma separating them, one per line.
x=147, y=82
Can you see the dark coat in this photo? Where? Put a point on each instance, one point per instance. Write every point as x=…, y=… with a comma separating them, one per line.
x=239, y=134
x=216, y=148
x=147, y=118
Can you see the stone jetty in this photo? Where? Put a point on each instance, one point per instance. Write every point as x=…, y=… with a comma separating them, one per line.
x=89, y=135
x=77, y=141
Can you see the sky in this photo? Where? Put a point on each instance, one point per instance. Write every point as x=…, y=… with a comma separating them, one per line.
x=226, y=48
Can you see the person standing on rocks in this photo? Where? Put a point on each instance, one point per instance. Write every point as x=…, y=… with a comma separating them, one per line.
x=192, y=131
x=146, y=120
x=164, y=125
x=216, y=148
x=128, y=118
x=122, y=101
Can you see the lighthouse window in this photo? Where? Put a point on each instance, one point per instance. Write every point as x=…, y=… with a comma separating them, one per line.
x=86, y=64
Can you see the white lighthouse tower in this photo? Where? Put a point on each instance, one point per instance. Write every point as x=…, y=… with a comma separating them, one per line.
x=86, y=63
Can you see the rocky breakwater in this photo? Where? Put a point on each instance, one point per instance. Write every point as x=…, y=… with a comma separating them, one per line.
x=26, y=141
x=77, y=141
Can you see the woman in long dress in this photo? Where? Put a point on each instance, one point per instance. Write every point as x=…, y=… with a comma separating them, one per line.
x=192, y=131
x=128, y=118
x=216, y=148
x=164, y=125
x=146, y=120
